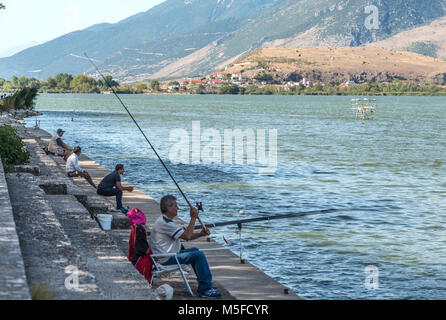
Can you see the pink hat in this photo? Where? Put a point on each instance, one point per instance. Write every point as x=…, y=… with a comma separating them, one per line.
x=136, y=216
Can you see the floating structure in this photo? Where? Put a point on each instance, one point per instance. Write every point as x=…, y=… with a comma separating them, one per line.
x=365, y=108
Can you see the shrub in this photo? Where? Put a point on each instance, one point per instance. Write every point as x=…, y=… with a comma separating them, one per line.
x=12, y=149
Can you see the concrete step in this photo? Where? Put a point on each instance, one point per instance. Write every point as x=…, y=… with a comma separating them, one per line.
x=78, y=187
x=114, y=274
x=50, y=258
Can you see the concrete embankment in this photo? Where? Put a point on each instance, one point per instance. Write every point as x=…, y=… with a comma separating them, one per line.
x=13, y=284
x=65, y=253
x=53, y=217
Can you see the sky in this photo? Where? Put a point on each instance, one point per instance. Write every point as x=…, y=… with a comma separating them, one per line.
x=26, y=23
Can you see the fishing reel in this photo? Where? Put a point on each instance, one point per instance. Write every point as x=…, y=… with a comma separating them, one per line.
x=200, y=206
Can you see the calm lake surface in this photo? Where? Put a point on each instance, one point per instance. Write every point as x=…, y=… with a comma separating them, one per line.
x=387, y=177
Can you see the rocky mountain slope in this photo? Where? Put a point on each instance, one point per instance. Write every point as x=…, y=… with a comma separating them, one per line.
x=429, y=40
x=193, y=37
x=168, y=31
x=306, y=24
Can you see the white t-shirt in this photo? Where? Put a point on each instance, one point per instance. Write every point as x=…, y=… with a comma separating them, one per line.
x=73, y=164
x=165, y=237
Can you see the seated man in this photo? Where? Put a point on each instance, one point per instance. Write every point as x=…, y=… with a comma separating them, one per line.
x=73, y=169
x=165, y=238
x=57, y=147
x=111, y=186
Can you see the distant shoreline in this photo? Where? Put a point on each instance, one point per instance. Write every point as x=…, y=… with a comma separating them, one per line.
x=363, y=94
x=385, y=94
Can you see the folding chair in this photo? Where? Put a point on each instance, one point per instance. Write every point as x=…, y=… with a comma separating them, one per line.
x=159, y=269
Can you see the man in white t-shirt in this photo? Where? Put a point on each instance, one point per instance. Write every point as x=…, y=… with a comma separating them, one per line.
x=74, y=170
x=165, y=238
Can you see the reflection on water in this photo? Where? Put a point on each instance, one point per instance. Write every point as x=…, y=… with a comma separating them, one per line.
x=387, y=176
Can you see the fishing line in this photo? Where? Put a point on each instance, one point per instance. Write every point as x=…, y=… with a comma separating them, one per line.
x=199, y=205
x=268, y=218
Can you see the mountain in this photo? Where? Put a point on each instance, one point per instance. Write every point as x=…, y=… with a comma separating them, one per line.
x=154, y=28
x=192, y=37
x=310, y=23
x=429, y=40
x=340, y=64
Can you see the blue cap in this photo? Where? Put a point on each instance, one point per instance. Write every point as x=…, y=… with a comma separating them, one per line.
x=60, y=131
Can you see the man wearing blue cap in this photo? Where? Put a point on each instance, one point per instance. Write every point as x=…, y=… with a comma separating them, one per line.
x=57, y=147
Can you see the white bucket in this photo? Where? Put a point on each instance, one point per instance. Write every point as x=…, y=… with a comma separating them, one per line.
x=165, y=292
x=105, y=220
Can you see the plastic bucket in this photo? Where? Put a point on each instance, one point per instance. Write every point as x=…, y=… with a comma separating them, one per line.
x=105, y=220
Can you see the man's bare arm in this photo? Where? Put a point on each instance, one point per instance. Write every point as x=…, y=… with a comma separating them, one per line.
x=189, y=234
x=121, y=187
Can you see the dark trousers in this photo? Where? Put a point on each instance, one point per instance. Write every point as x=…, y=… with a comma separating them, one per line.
x=197, y=259
x=110, y=192
x=84, y=175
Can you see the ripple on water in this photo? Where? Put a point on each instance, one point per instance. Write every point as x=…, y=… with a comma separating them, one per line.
x=326, y=161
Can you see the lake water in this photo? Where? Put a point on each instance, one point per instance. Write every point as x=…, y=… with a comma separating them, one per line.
x=386, y=176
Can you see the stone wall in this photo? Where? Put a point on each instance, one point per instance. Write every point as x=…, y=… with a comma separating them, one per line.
x=13, y=283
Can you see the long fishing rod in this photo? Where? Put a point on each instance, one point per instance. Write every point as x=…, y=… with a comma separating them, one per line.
x=199, y=205
x=267, y=218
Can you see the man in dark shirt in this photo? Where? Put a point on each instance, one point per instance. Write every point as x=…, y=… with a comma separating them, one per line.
x=111, y=186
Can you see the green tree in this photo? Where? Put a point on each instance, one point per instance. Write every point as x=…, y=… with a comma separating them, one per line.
x=155, y=85
x=108, y=80
x=63, y=81
x=23, y=99
x=51, y=83
x=124, y=89
x=82, y=83
x=229, y=89
x=2, y=6
x=200, y=89
x=15, y=82
x=140, y=87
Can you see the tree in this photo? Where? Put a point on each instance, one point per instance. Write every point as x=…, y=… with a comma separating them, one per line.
x=82, y=83
x=140, y=87
x=23, y=99
x=108, y=80
x=155, y=85
x=51, y=83
x=2, y=6
x=229, y=89
x=63, y=81
x=200, y=89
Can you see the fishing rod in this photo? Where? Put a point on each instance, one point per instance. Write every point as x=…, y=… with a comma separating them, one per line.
x=199, y=204
x=239, y=223
x=267, y=218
